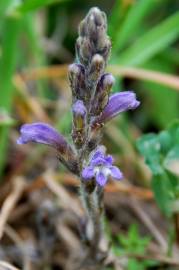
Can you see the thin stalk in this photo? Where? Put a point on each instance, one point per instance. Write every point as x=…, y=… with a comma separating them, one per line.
x=7, y=67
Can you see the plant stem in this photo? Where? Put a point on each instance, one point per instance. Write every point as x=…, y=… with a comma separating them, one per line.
x=93, y=204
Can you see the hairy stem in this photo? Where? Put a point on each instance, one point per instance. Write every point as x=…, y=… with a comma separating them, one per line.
x=93, y=204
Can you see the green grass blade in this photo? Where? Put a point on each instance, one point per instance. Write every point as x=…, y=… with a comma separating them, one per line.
x=132, y=21
x=5, y=5
x=152, y=42
x=31, y=5
x=7, y=66
x=35, y=48
x=115, y=19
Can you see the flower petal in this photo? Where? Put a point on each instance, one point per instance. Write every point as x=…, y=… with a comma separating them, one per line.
x=109, y=159
x=116, y=173
x=98, y=153
x=118, y=103
x=44, y=134
x=101, y=178
x=88, y=173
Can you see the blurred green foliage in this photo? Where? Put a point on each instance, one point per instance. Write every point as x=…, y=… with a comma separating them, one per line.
x=161, y=153
x=133, y=244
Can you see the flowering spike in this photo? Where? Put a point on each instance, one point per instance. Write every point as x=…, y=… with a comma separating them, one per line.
x=92, y=37
x=91, y=108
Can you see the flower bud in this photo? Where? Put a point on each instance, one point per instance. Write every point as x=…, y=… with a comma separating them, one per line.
x=77, y=80
x=102, y=94
x=84, y=50
x=98, y=16
x=96, y=67
x=95, y=20
x=79, y=122
x=82, y=28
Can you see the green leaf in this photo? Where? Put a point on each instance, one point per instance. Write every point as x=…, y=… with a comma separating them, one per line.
x=171, y=161
x=31, y=5
x=6, y=6
x=149, y=146
x=116, y=17
x=174, y=132
x=165, y=140
x=134, y=264
x=151, y=43
x=162, y=189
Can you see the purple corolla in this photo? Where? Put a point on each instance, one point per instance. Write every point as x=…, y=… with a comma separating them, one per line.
x=100, y=167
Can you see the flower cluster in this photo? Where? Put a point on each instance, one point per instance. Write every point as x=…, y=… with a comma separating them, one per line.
x=92, y=106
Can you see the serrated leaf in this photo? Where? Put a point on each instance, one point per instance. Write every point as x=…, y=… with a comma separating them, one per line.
x=151, y=43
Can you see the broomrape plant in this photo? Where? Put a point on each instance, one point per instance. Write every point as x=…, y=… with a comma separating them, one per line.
x=92, y=107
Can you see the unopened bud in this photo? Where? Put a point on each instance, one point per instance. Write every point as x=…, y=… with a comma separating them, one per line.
x=79, y=122
x=83, y=28
x=102, y=93
x=97, y=67
x=95, y=19
x=85, y=51
x=105, y=48
x=99, y=16
x=77, y=80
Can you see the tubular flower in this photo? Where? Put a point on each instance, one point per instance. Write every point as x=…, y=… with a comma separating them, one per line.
x=119, y=102
x=100, y=167
x=45, y=134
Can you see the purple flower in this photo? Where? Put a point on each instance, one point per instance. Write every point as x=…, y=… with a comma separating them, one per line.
x=101, y=168
x=44, y=134
x=117, y=103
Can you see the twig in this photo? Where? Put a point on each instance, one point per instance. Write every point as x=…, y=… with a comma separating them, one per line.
x=159, y=258
x=142, y=74
x=66, y=178
x=18, y=241
x=65, y=199
x=10, y=202
x=149, y=224
x=7, y=266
